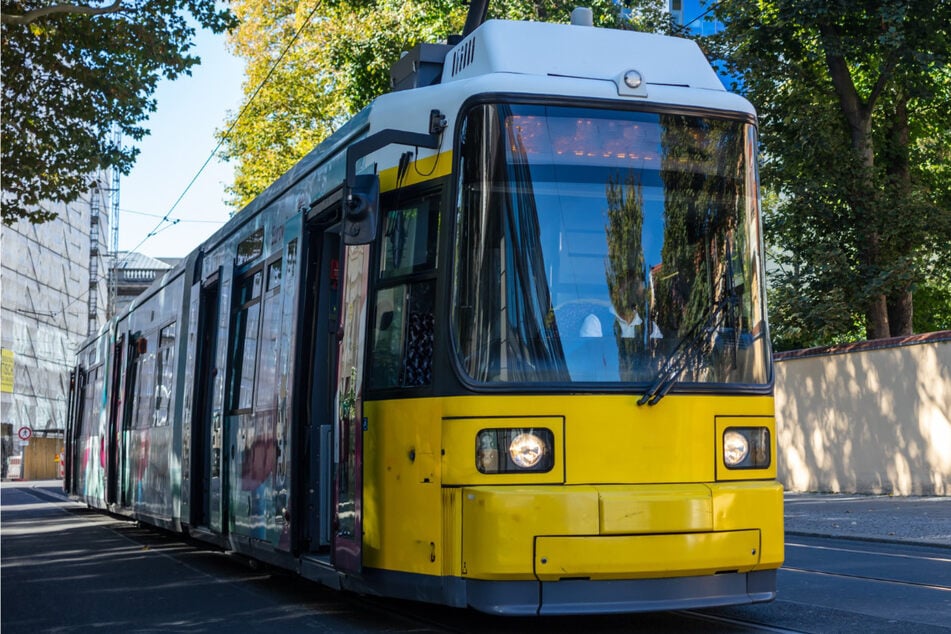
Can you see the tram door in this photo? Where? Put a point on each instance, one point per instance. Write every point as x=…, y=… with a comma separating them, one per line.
x=313, y=438
x=114, y=437
x=73, y=421
x=134, y=348
x=348, y=410
x=206, y=444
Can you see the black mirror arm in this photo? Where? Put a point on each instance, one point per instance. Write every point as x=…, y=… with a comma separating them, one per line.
x=380, y=140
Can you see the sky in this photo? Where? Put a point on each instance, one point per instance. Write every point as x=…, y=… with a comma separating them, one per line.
x=182, y=138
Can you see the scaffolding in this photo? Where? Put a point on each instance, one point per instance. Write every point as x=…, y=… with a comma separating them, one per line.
x=53, y=295
x=112, y=304
x=93, y=295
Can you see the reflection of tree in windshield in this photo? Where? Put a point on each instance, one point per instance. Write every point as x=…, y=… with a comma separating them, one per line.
x=593, y=246
x=703, y=195
x=624, y=269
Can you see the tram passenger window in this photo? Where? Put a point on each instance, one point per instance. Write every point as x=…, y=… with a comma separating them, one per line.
x=244, y=342
x=269, y=345
x=145, y=390
x=420, y=326
x=164, y=375
x=94, y=384
x=404, y=312
x=388, y=336
x=409, y=239
x=403, y=336
x=273, y=275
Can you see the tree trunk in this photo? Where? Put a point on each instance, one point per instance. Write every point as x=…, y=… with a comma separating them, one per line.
x=858, y=114
x=876, y=318
x=900, y=301
x=900, y=313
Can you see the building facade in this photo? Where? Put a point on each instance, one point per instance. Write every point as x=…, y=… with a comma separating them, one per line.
x=131, y=273
x=53, y=294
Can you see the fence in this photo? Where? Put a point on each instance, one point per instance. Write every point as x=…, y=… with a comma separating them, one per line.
x=873, y=417
x=41, y=459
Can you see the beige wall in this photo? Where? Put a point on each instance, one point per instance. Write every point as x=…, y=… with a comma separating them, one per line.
x=867, y=419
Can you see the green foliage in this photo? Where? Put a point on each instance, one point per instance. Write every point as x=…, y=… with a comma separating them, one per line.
x=933, y=307
x=70, y=80
x=854, y=109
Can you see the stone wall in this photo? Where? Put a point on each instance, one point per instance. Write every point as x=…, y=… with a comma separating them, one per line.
x=873, y=417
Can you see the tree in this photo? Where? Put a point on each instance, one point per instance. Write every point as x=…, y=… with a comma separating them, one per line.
x=72, y=75
x=312, y=64
x=855, y=105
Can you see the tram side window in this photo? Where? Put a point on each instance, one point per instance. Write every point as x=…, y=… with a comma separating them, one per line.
x=145, y=388
x=164, y=375
x=405, y=300
x=269, y=346
x=93, y=403
x=244, y=342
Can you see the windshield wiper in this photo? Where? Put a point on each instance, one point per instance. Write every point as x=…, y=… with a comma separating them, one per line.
x=678, y=360
x=699, y=341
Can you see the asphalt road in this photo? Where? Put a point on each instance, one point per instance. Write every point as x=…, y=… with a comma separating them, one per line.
x=64, y=568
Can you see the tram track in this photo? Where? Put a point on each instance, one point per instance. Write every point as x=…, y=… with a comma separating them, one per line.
x=825, y=573
x=904, y=565
x=726, y=620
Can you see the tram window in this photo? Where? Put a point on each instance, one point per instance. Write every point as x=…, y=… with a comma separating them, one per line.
x=93, y=403
x=269, y=352
x=164, y=375
x=167, y=335
x=403, y=336
x=145, y=392
x=244, y=342
x=273, y=275
x=404, y=314
x=388, y=336
x=409, y=239
x=250, y=248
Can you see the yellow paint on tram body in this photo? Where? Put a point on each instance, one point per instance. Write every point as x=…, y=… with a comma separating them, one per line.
x=620, y=471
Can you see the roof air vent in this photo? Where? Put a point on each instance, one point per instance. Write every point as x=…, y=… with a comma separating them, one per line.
x=463, y=55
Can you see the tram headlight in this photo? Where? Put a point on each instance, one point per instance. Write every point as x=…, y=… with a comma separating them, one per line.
x=746, y=447
x=735, y=448
x=526, y=450
x=514, y=450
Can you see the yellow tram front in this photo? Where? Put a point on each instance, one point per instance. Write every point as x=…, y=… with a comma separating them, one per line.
x=606, y=442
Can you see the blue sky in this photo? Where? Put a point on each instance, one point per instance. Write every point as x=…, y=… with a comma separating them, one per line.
x=181, y=140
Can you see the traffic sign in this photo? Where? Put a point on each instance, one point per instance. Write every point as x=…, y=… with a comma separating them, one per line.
x=24, y=433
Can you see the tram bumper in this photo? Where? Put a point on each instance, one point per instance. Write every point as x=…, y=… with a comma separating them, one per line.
x=620, y=548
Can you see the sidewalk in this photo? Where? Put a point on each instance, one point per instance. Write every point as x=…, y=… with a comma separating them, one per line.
x=910, y=519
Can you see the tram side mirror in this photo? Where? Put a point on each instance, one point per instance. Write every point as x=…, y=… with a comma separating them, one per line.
x=361, y=206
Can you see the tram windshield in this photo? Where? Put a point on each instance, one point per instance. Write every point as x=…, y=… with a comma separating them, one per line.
x=605, y=246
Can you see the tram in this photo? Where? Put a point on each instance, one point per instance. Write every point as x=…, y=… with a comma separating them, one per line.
x=499, y=342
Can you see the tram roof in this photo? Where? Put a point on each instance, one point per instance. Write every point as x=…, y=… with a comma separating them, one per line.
x=569, y=50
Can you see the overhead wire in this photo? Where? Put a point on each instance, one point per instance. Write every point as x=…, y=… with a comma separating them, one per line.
x=184, y=220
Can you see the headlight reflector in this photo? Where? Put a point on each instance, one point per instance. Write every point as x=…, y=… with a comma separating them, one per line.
x=526, y=450
x=735, y=448
x=514, y=450
x=746, y=448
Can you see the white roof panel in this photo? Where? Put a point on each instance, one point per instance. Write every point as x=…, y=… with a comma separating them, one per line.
x=540, y=48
